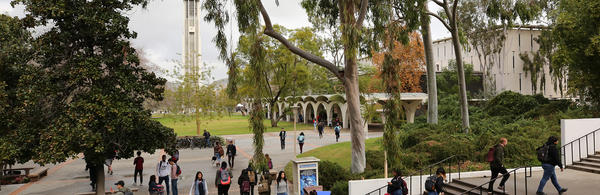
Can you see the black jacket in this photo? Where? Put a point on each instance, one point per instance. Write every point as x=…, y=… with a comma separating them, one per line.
x=553, y=157
x=498, y=156
x=397, y=184
x=231, y=150
x=439, y=184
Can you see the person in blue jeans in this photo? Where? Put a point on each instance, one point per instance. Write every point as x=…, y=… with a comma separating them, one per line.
x=397, y=185
x=548, y=166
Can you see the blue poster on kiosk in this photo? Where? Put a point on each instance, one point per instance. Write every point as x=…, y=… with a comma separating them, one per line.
x=308, y=176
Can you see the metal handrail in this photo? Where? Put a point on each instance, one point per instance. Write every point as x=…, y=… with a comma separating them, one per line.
x=587, y=146
x=449, y=172
x=500, y=176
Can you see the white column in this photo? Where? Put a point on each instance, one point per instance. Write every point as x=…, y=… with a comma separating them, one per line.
x=410, y=107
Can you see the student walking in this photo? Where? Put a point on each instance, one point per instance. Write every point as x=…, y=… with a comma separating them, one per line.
x=282, y=186
x=231, y=152
x=548, y=164
x=252, y=177
x=223, y=179
x=321, y=128
x=139, y=168
x=435, y=184
x=301, y=141
x=244, y=182
x=496, y=165
x=282, y=135
x=163, y=168
x=269, y=162
x=315, y=123
x=207, y=138
x=175, y=172
x=337, y=130
x=218, y=150
x=199, y=186
x=265, y=183
x=397, y=186
x=92, y=169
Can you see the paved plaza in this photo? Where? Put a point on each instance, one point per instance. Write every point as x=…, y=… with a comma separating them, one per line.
x=71, y=178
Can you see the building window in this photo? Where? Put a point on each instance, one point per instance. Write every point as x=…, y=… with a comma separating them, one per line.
x=444, y=51
x=513, y=61
x=438, y=52
x=519, y=41
x=519, y=82
x=438, y=67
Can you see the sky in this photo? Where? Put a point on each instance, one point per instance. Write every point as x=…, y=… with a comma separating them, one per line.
x=160, y=30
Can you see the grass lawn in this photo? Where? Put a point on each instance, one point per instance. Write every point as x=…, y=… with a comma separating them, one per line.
x=236, y=124
x=340, y=152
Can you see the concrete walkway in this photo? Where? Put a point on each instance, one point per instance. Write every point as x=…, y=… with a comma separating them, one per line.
x=578, y=182
x=71, y=177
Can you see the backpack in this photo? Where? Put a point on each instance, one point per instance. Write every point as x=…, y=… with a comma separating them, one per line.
x=252, y=176
x=225, y=177
x=264, y=185
x=430, y=183
x=337, y=129
x=245, y=186
x=542, y=153
x=490, y=155
x=270, y=164
x=301, y=138
x=178, y=172
x=402, y=187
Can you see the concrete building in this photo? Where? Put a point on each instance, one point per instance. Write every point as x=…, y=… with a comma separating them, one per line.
x=503, y=70
x=191, y=37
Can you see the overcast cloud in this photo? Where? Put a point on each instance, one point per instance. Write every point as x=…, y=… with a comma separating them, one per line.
x=160, y=30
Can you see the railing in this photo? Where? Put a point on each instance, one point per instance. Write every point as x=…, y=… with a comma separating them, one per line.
x=459, y=161
x=578, y=140
x=514, y=176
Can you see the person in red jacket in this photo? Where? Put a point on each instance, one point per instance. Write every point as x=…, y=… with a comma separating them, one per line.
x=139, y=167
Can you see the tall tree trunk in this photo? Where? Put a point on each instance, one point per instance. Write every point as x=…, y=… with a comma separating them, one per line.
x=464, y=105
x=100, y=189
x=356, y=124
x=198, y=122
x=432, y=101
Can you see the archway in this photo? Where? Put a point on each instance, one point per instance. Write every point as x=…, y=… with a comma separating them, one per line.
x=336, y=114
x=309, y=115
x=321, y=113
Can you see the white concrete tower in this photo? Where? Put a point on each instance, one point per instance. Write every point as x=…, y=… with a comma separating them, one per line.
x=191, y=37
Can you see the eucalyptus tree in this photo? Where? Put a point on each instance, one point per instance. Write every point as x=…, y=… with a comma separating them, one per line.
x=361, y=23
x=84, y=89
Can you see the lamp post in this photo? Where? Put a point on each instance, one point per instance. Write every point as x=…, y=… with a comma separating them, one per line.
x=295, y=109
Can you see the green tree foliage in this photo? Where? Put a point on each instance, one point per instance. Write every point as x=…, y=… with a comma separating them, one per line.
x=578, y=47
x=85, y=89
x=448, y=78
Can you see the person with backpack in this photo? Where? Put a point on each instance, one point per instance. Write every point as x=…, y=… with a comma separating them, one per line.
x=548, y=155
x=269, y=162
x=264, y=187
x=153, y=187
x=218, y=150
x=163, y=169
x=92, y=170
x=252, y=177
x=397, y=186
x=244, y=182
x=223, y=179
x=337, y=130
x=139, y=167
x=121, y=189
x=434, y=185
x=282, y=135
x=199, y=186
x=207, y=138
x=282, y=184
x=175, y=172
x=301, y=141
x=496, y=166
x=231, y=152
x=321, y=128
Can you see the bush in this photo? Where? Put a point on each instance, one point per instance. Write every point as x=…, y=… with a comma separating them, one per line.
x=197, y=141
x=330, y=172
x=510, y=104
x=375, y=159
x=340, y=187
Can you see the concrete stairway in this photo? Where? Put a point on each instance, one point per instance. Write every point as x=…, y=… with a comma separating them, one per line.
x=456, y=187
x=590, y=164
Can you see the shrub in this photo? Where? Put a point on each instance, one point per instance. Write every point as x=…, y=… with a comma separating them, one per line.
x=340, y=187
x=375, y=159
x=330, y=172
x=510, y=104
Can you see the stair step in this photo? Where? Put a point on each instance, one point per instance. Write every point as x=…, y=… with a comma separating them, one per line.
x=584, y=168
x=593, y=160
x=461, y=188
x=588, y=164
x=449, y=191
x=594, y=156
x=470, y=185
